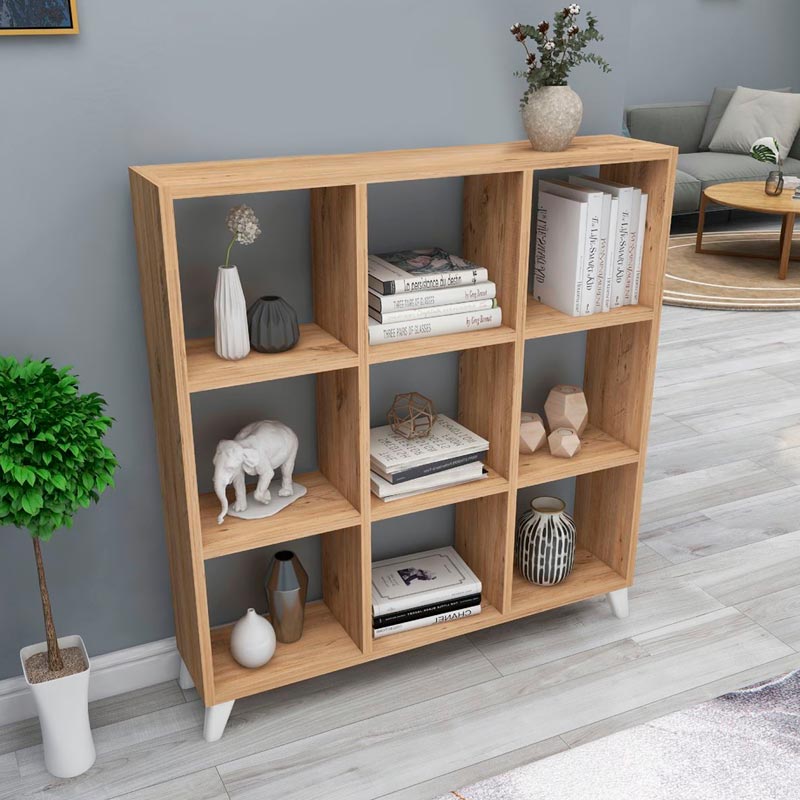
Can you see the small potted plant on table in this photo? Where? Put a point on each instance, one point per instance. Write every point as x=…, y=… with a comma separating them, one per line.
x=52, y=462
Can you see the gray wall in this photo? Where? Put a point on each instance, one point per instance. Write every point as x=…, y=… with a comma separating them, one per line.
x=151, y=82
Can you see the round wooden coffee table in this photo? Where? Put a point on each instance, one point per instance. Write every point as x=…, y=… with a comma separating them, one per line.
x=750, y=196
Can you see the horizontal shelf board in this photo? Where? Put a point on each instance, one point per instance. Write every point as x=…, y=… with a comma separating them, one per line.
x=317, y=351
x=494, y=484
x=598, y=451
x=451, y=342
x=589, y=578
x=408, y=640
x=324, y=647
x=214, y=178
x=320, y=510
x=542, y=320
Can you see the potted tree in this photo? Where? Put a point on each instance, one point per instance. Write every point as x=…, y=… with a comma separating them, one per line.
x=52, y=462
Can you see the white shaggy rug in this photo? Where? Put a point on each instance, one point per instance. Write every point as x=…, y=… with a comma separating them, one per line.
x=741, y=746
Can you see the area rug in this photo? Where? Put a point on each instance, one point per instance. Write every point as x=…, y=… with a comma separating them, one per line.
x=702, y=280
x=742, y=746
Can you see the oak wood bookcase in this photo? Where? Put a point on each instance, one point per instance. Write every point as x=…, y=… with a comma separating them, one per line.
x=619, y=369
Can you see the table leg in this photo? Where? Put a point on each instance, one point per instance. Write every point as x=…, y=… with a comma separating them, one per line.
x=701, y=221
x=787, y=231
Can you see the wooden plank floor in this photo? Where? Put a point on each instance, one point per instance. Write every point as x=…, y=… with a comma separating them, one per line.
x=715, y=606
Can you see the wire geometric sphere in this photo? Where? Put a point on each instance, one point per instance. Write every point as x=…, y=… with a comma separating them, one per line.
x=412, y=415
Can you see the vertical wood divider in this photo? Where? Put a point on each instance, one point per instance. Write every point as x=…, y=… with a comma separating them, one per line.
x=154, y=218
x=619, y=376
x=497, y=223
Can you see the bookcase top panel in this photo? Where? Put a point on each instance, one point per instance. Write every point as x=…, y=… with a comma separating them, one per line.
x=214, y=178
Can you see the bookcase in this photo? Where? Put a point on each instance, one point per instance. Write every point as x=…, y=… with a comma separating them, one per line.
x=497, y=213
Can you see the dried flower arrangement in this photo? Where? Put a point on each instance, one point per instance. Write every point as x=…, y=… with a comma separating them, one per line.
x=242, y=222
x=560, y=48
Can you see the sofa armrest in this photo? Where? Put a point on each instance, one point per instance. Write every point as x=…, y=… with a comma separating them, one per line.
x=677, y=124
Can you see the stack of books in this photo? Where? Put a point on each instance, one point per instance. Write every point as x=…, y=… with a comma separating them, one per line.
x=450, y=454
x=589, y=244
x=418, y=293
x=422, y=589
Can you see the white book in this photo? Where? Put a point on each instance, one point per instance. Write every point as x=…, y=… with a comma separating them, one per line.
x=385, y=317
x=420, y=579
x=637, y=273
x=611, y=253
x=625, y=196
x=394, y=453
x=434, y=326
x=593, y=246
x=450, y=477
x=560, y=252
x=424, y=622
x=388, y=303
x=420, y=270
x=636, y=207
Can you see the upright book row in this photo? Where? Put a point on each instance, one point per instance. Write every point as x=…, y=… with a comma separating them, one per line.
x=589, y=244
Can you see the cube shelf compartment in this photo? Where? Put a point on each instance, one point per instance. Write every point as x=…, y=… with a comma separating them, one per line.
x=618, y=380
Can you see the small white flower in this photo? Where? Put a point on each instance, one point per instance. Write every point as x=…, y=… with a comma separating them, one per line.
x=243, y=224
x=549, y=45
x=574, y=9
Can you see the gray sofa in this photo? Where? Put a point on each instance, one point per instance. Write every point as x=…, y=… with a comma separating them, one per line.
x=681, y=125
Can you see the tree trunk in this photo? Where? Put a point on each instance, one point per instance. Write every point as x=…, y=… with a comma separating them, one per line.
x=54, y=662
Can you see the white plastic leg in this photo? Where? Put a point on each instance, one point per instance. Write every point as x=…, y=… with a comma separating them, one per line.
x=216, y=720
x=184, y=678
x=618, y=601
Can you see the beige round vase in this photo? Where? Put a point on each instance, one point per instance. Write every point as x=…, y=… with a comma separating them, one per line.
x=552, y=116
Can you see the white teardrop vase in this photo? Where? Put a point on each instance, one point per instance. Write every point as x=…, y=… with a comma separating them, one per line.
x=252, y=640
x=231, y=335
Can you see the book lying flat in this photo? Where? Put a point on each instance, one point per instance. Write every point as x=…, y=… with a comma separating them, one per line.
x=435, y=326
x=419, y=579
x=388, y=303
x=421, y=270
x=409, y=314
x=423, y=622
x=451, y=477
x=430, y=468
x=456, y=604
x=392, y=452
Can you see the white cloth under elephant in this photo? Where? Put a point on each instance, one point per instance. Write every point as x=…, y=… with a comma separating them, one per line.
x=260, y=448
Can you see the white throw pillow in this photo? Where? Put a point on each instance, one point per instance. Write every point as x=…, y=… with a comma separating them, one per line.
x=754, y=113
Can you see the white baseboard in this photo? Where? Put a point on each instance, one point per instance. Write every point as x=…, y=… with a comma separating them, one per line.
x=112, y=674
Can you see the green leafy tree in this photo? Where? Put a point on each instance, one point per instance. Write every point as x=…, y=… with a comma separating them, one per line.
x=52, y=458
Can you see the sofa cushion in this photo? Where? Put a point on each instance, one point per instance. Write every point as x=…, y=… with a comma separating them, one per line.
x=717, y=107
x=753, y=114
x=676, y=124
x=687, y=193
x=710, y=168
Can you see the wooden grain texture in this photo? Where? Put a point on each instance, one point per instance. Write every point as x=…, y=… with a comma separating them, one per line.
x=317, y=351
x=542, y=320
x=493, y=484
x=213, y=178
x=448, y=343
x=326, y=646
x=323, y=508
x=750, y=196
x=154, y=221
x=598, y=451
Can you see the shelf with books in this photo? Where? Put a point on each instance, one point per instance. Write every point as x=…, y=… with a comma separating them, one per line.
x=317, y=351
x=589, y=577
x=492, y=484
x=449, y=343
x=542, y=320
x=322, y=509
x=324, y=647
x=598, y=451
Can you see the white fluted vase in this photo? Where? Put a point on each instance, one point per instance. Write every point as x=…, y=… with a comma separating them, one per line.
x=545, y=543
x=231, y=335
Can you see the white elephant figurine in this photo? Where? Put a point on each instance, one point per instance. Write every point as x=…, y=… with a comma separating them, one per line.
x=259, y=448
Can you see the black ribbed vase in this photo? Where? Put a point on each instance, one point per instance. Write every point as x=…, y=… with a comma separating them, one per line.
x=273, y=325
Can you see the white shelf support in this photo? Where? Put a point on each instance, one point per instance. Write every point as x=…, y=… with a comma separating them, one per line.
x=216, y=720
x=618, y=601
x=184, y=678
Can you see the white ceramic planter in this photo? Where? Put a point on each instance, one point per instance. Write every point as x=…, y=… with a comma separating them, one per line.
x=63, y=708
x=552, y=116
x=231, y=334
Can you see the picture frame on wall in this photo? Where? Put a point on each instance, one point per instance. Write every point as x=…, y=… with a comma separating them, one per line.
x=38, y=17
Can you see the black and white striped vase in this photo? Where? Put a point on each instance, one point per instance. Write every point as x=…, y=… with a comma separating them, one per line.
x=545, y=543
